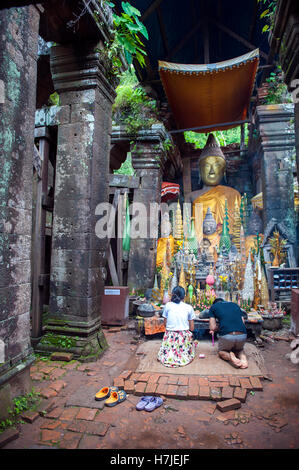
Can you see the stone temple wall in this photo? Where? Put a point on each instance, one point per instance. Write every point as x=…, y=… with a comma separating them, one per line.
x=18, y=56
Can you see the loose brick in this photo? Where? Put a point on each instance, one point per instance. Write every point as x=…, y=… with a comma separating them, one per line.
x=182, y=391
x=37, y=376
x=234, y=381
x=245, y=383
x=119, y=382
x=153, y=378
x=203, y=382
x=227, y=392
x=256, y=384
x=58, y=385
x=57, y=373
x=183, y=381
x=216, y=378
x=163, y=379
x=144, y=377
x=48, y=393
x=150, y=388
x=204, y=393
x=140, y=388
x=125, y=375
x=77, y=426
x=61, y=356
x=240, y=394
x=227, y=405
x=97, y=428
x=87, y=413
x=171, y=391
x=30, y=416
x=193, y=380
x=173, y=380
x=53, y=424
x=215, y=394
x=70, y=440
x=161, y=389
x=193, y=391
x=49, y=435
x=134, y=377
x=218, y=384
x=129, y=386
x=55, y=413
x=69, y=414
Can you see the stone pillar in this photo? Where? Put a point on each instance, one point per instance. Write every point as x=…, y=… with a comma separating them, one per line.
x=276, y=148
x=82, y=168
x=297, y=138
x=18, y=68
x=148, y=160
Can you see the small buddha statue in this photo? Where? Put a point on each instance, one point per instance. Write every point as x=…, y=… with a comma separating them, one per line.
x=212, y=165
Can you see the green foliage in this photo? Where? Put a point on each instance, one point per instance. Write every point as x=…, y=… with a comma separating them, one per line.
x=126, y=37
x=20, y=404
x=230, y=136
x=277, y=89
x=132, y=106
x=268, y=13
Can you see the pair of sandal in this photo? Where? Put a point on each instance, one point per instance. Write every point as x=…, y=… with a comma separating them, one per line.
x=149, y=403
x=112, y=395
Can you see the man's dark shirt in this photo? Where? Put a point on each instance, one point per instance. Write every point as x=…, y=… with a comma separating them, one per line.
x=229, y=316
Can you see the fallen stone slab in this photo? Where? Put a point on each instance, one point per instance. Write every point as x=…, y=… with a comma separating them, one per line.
x=227, y=405
x=7, y=436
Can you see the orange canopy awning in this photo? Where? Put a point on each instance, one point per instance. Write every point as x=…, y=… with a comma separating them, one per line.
x=209, y=94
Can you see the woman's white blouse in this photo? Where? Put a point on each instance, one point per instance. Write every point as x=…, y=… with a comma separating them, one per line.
x=178, y=316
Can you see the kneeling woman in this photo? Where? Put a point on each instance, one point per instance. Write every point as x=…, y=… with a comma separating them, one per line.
x=177, y=347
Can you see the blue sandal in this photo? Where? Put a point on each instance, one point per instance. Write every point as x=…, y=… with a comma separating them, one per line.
x=116, y=397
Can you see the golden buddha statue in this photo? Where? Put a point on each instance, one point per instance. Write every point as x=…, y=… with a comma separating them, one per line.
x=213, y=195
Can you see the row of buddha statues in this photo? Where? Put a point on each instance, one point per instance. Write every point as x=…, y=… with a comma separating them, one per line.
x=211, y=242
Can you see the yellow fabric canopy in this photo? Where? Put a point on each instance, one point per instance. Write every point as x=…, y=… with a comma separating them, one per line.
x=207, y=94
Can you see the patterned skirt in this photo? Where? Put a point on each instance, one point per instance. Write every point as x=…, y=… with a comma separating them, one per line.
x=177, y=348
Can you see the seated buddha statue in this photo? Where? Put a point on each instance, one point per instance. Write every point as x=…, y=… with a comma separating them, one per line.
x=213, y=195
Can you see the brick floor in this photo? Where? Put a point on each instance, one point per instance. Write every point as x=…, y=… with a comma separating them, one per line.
x=70, y=440
x=86, y=413
x=68, y=414
x=140, y=388
x=49, y=435
x=193, y=391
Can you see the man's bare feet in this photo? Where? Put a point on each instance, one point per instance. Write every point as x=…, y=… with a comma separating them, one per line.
x=243, y=359
x=237, y=362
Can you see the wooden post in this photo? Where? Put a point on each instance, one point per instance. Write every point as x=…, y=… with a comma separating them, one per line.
x=39, y=231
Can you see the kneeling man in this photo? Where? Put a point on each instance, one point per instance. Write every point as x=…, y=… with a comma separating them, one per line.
x=232, y=331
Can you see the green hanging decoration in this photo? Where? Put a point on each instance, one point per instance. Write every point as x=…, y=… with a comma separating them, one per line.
x=126, y=167
x=126, y=234
x=225, y=241
x=192, y=240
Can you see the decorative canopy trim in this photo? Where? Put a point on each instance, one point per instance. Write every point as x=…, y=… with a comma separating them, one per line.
x=208, y=94
x=169, y=190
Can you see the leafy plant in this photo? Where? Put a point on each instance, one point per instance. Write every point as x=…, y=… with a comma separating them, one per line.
x=277, y=91
x=127, y=29
x=20, y=404
x=268, y=13
x=132, y=106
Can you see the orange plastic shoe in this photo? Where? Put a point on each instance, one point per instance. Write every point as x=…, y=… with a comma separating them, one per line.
x=105, y=392
x=115, y=398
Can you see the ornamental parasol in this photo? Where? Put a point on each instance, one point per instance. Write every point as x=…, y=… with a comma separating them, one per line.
x=169, y=191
